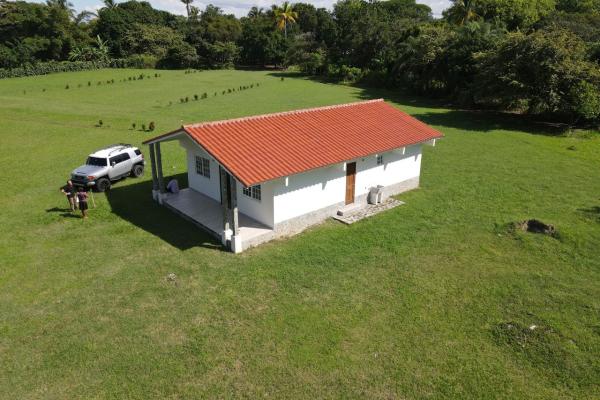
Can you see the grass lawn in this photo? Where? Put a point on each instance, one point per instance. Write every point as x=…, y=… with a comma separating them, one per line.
x=430, y=300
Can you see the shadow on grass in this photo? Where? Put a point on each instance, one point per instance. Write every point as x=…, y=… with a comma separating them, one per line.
x=466, y=120
x=134, y=204
x=448, y=116
x=591, y=213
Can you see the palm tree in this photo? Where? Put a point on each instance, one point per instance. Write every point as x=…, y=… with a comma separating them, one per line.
x=461, y=12
x=255, y=12
x=284, y=15
x=62, y=4
x=84, y=16
x=187, y=3
x=109, y=4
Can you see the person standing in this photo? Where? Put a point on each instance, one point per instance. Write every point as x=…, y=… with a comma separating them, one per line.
x=82, y=196
x=69, y=191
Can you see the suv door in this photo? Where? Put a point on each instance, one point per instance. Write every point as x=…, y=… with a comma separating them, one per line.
x=119, y=165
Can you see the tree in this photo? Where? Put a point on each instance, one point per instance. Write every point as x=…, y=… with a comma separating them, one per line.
x=284, y=15
x=188, y=4
x=461, y=12
x=109, y=4
x=513, y=76
x=255, y=12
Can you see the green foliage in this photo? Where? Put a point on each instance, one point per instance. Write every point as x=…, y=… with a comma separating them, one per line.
x=513, y=77
x=584, y=99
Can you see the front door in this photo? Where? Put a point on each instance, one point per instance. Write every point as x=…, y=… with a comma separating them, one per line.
x=350, y=180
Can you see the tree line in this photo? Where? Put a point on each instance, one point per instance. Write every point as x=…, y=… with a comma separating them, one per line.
x=529, y=56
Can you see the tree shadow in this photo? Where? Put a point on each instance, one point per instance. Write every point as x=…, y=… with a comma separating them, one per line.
x=134, y=204
x=466, y=119
x=591, y=213
x=445, y=114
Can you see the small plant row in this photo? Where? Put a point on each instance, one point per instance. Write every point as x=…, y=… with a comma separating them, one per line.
x=151, y=127
x=112, y=81
x=205, y=95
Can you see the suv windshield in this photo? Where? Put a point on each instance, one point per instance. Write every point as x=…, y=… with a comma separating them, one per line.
x=96, y=161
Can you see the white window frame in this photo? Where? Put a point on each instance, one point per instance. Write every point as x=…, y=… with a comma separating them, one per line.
x=203, y=166
x=380, y=159
x=253, y=192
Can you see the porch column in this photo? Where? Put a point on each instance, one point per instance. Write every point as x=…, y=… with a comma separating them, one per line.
x=153, y=168
x=224, y=183
x=161, y=182
x=236, y=239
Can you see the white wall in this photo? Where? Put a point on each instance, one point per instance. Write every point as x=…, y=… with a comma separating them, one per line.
x=210, y=187
x=324, y=187
x=396, y=168
x=262, y=210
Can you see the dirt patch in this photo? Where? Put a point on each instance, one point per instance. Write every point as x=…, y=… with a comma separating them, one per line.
x=536, y=226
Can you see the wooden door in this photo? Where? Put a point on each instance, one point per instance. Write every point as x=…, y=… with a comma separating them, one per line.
x=350, y=180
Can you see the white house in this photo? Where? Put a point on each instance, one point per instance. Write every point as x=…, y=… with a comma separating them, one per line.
x=257, y=178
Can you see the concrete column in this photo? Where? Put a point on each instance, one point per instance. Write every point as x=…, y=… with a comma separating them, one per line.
x=153, y=168
x=161, y=181
x=234, y=207
x=225, y=201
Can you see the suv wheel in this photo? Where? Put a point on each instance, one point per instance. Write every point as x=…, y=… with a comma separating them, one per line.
x=102, y=184
x=137, y=170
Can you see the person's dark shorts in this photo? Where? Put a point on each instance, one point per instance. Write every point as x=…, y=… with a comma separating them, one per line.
x=83, y=205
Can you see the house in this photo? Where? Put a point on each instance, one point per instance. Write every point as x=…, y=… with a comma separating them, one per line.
x=257, y=178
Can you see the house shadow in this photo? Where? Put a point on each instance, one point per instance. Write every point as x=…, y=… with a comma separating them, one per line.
x=134, y=204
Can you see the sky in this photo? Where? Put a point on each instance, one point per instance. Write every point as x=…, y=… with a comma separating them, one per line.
x=239, y=7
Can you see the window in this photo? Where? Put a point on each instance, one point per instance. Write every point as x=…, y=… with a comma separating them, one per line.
x=137, y=152
x=120, y=158
x=252, y=191
x=379, y=160
x=96, y=161
x=203, y=166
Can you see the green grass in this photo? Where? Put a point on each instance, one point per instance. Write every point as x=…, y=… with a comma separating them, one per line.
x=430, y=300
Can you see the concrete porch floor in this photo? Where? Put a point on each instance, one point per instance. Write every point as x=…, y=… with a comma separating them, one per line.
x=207, y=213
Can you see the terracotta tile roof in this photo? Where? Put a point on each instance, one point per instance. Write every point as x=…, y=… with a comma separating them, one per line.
x=264, y=147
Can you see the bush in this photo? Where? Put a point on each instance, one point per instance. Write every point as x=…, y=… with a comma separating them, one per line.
x=43, y=68
x=133, y=126
x=195, y=97
x=144, y=127
x=151, y=126
x=344, y=73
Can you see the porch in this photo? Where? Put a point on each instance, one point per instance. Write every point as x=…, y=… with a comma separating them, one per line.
x=208, y=214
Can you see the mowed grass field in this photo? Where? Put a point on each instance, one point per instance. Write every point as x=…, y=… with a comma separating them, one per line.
x=431, y=300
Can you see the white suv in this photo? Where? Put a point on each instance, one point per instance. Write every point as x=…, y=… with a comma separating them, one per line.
x=108, y=165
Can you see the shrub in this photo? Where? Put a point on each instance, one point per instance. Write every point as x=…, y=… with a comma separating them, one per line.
x=151, y=126
x=133, y=126
x=79, y=85
x=66, y=87
x=144, y=127
x=282, y=79
x=187, y=99
x=195, y=97
x=100, y=123
x=228, y=90
x=204, y=95
x=181, y=100
x=224, y=92
x=89, y=83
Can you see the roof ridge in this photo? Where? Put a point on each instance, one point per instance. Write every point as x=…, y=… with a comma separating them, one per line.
x=281, y=113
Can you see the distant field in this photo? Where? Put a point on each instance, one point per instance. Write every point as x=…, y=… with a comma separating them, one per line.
x=431, y=300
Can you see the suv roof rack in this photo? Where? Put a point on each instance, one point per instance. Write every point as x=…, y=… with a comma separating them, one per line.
x=120, y=145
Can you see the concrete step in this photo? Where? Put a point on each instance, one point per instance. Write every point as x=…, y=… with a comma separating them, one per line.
x=348, y=208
